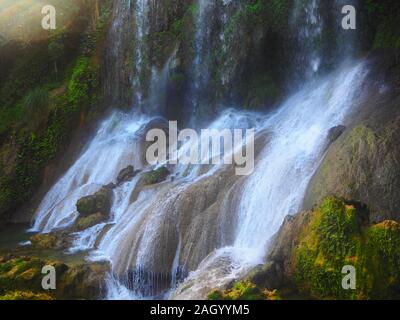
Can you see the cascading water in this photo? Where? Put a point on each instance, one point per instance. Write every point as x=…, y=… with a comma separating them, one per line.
x=203, y=225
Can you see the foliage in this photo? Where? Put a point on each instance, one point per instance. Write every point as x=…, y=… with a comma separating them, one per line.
x=83, y=82
x=383, y=15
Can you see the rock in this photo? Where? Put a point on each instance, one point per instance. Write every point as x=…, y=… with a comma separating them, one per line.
x=311, y=249
x=335, y=133
x=156, y=176
x=126, y=174
x=21, y=277
x=100, y=202
x=25, y=295
x=110, y=186
x=269, y=275
x=86, y=222
x=362, y=165
x=56, y=241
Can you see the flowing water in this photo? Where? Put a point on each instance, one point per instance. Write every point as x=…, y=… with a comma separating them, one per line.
x=203, y=226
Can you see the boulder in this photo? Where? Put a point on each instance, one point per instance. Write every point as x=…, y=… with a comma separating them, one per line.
x=335, y=133
x=156, y=176
x=54, y=241
x=86, y=222
x=126, y=174
x=362, y=165
x=100, y=202
x=21, y=277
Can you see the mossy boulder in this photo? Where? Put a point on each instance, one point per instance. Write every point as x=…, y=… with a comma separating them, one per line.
x=335, y=236
x=100, y=202
x=126, y=174
x=244, y=290
x=58, y=241
x=21, y=278
x=89, y=221
x=156, y=176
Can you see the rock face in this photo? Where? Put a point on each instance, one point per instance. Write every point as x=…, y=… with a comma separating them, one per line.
x=100, y=202
x=362, y=165
x=278, y=270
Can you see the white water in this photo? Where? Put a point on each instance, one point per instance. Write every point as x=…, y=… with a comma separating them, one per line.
x=299, y=130
x=114, y=147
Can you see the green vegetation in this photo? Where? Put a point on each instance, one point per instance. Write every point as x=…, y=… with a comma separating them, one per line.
x=25, y=295
x=384, y=17
x=156, y=176
x=335, y=237
x=21, y=278
x=41, y=102
x=244, y=290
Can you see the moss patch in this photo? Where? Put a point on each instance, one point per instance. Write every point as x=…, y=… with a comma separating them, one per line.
x=244, y=290
x=334, y=238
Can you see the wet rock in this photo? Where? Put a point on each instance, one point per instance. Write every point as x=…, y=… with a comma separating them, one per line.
x=126, y=174
x=86, y=222
x=362, y=166
x=110, y=186
x=335, y=133
x=156, y=176
x=56, y=241
x=100, y=202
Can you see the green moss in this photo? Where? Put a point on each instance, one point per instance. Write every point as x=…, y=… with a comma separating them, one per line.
x=244, y=290
x=156, y=176
x=89, y=221
x=334, y=238
x=83, y=82
x=44, y=241
x=25, y=295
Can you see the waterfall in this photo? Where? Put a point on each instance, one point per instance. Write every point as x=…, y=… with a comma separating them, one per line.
x=203, y=226
x=307, y=26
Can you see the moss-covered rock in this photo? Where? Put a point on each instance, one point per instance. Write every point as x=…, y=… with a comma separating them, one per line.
x=57, y=241
x=100, y=202
x=89, y=221
x=25, y=295
x=126, y=174
x=156, y=176
x=335, y=237
x=362, y=165
x=244, y=290
x=21, y=278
